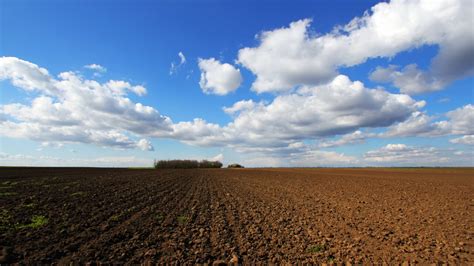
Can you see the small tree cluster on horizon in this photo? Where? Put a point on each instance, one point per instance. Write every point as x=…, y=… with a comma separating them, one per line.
x=186, y=164
x=235, y=165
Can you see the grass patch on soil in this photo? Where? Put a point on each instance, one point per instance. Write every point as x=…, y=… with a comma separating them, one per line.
x=9, y=183
x=37, y=221
x=115, y=218
x=316, y=248
x=29, y=205
x=182, y=219
x=3, y=194
x=5, y=218
x=159, y=217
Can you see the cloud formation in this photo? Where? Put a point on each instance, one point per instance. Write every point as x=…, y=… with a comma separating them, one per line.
x=404, y=155
x=459, y=122
x=219, y=157
x=409, y=80
x=467, y=139
x=73, y=109
x=29, y=160
x=218, y=78
x=340, y=107
x=292, y=56
x=314, y=158
x=96, y=67
x=355, y=137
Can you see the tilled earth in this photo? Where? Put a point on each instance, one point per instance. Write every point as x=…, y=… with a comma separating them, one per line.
x=236, y=215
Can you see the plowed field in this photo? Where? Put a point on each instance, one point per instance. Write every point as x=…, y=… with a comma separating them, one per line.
x=236, y=215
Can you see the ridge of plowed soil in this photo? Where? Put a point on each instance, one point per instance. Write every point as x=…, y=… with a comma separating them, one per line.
x=373, y=215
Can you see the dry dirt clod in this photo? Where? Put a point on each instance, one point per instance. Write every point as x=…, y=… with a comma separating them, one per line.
x=234, y=260
x=5, y=254
x=219, y=263
x=150, y=253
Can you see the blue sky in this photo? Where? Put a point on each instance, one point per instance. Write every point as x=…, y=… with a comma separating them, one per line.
x=291, y=70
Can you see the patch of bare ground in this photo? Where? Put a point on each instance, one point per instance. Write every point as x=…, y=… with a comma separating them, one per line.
x=379, y=215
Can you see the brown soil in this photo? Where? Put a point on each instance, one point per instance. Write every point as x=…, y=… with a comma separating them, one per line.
x=236, y=215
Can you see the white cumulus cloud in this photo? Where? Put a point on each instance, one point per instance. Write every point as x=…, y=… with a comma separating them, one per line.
x=410, y=79
x=7, y=159
x=404, y=155
x=340, y=107
x=467, y=139
x=459, y=122
x=73, y=109
x=96, y=67
x=292, y=56
x=120, y=87
x=218, y=78
x=145, y=145
x=240, y=106
x=347, y=139
x=219, y=157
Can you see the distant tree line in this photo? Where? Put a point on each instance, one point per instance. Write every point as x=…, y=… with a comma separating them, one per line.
x=186, y=164
x=235, y=165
